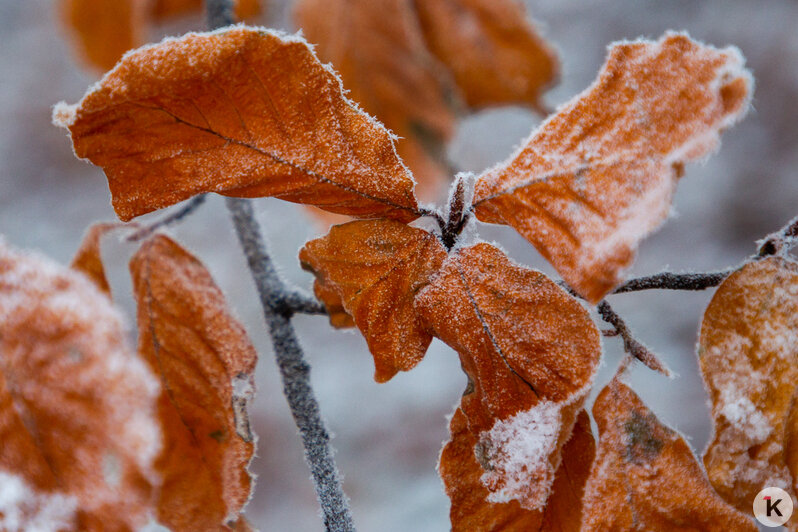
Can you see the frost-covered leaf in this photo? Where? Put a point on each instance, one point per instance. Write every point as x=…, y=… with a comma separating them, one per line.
x=377, y=267
x=747, y=352
x=339, y=317
x=470, y=510
x=77, y=407
x=645, y=477
x=103, y=30
x=87, y=259
x=530, y=351
x=492, y=50
x=206, y=363
x=240, y=111
x=598, y=176
x=378, y=49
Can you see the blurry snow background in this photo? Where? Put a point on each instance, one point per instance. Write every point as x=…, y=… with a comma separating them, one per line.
x=388, y=436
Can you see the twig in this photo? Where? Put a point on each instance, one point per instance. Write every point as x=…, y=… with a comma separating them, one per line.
x=630, y=344
x=279, y=304
x=295, y=372
x=191, y=205
x=674, y=281
x=301, y=303
x=782, y=239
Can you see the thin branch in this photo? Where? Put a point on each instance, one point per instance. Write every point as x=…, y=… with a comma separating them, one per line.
x=301, y=303
x=294, y=370
x=674, y=281
x=630, y=344
x=783, y=239
x=190, y=206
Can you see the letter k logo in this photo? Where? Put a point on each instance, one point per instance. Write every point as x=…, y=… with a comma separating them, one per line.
x=772, y=506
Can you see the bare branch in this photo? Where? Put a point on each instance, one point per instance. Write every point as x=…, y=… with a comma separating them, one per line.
x=301, y=303
x=630, y=344
x=189, y=207
x=783, y=239
x=674, y=281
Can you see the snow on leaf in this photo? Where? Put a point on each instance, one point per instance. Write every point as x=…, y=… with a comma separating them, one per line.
x=471, y=508
x=747, y=351
x=598, y=176
x=493, y=52
x=378, y=49
x=87, y=259
x=645, y=477
x=530, y=351
x=206, y=365
x=76, y=405
x=376, y=267
x=243, y=112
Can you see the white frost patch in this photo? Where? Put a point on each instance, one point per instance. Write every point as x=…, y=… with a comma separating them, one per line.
x=744, y=416
x=517, y=452
x=64, y=114
x=22, y=508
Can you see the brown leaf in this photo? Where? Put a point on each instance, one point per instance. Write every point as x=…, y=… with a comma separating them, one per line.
x=105, y=30
x=747, y=352
x=461, y=472
x=87, y=259
x=76, y=405
x=205, y=362
x=378, y=49
x=241, y=112
x=328, y=295
x=377, y=267
x=530, y=351
x=645, y=477
x=598, y=176
x=493, y=52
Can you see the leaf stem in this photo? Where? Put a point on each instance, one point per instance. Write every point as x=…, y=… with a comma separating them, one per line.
x=674, y=281
x=189, y=207
x=294, y=370
x=630, y=344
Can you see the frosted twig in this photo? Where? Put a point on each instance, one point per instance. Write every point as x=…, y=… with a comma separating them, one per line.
x=190, y=206
x=674, y=281
x=784, y=238
x=630, y=344
x=301, y=303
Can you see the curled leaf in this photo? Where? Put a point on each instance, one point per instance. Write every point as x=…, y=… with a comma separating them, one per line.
x=747, y=352
x=87, y=259
x=242, y=112
x=530, y=351
x=471, y=509
x=206, y=363
x=493, y=52
x=645, y=477
x=376, y=267
x=76, y=405
x=598, y=176
x=339, y=317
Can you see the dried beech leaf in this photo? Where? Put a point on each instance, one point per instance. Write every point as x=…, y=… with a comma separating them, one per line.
x=598, y=176
x=105, y=30
x=461, y=472
x=645, y=477
x=76, y=405
x=377, y=267
x=206, y=365
x=244, y=9
x=530, y=351
x=378, y=49
x=747, y=351
x=492, y=50
x=87, y=259
x=240, y=111
x=328, y=295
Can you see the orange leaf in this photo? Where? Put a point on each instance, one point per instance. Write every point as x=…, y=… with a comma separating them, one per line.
x=461, y=472
x=105, y=29
x=87, y=259
x=377, y=267
x=494, y=53
x=76, y=404
x=378, y=49
x=242, y=112
x=645, y=477
x=747, y=354
x=598, y=176
x=530, y=351
x=205, y=362
x=328, y=295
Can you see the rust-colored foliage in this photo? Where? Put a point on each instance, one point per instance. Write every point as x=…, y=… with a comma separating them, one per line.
x=205, y=362
x=530, y=351
x=376, y=267
x=645, y=477
x=242, y=112
x=491, y=49
x=88, y=260
x=76, y=405
x=747, y=353
x=598, y=176
x=328, y=295
x=461, y=472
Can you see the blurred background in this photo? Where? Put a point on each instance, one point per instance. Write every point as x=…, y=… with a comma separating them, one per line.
x=388, y=436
